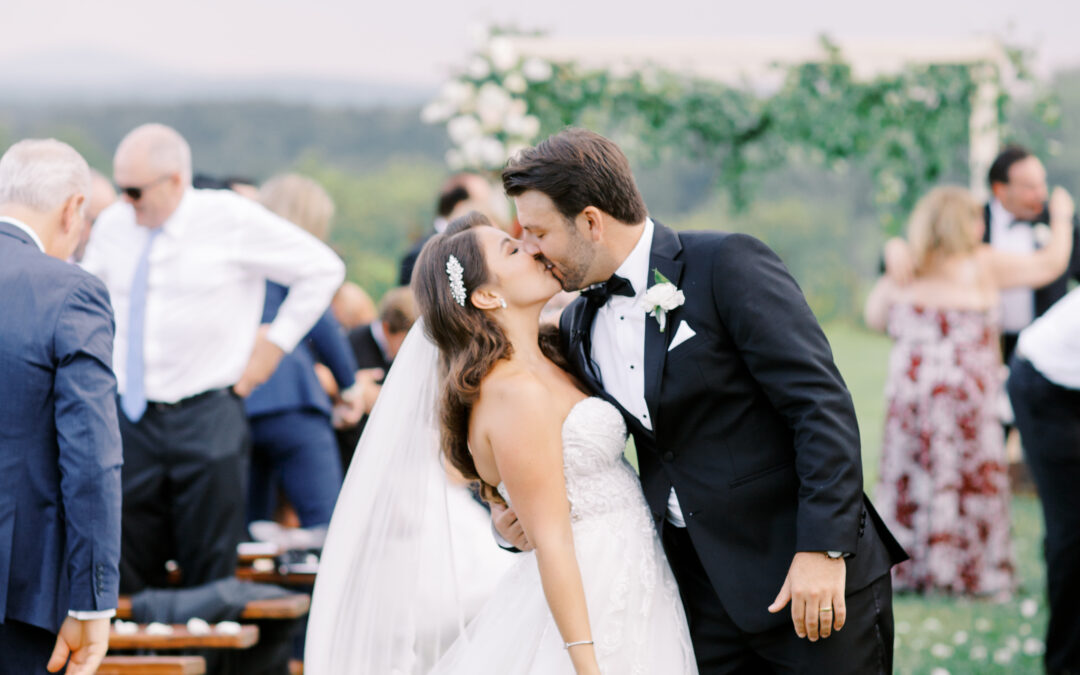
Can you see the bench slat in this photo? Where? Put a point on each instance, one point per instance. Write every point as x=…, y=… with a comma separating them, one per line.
x=182, y=638
x=152, y=665
x=288, y=607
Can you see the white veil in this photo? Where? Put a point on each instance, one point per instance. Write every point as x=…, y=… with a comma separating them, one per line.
x=387, y=597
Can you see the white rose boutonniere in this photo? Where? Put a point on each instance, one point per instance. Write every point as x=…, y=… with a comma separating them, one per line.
x=1041, y=234
x=661, y=298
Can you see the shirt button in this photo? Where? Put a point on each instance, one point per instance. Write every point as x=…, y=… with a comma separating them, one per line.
x=668, y=456
x=631, y=366
x=621, y=318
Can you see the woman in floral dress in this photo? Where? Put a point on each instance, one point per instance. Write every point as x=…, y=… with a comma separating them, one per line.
x=943, y=484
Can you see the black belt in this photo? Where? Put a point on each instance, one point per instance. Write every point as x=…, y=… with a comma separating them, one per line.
x=185, y=402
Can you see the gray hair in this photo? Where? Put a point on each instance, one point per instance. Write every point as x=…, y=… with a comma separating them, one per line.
x=42, y=174
x=162, y=147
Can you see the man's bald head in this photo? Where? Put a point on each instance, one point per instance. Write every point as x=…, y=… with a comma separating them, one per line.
x=153, y=162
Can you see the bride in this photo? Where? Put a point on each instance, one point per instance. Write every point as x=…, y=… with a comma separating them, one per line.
x=595, y=596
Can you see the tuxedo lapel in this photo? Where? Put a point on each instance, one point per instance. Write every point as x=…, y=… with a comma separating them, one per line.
x=663, y=256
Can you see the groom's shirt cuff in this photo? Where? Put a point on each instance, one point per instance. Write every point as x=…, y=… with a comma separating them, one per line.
x=91, y=615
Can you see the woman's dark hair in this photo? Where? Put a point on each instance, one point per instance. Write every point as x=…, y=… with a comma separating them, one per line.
x=578, y=168
x=469, y=339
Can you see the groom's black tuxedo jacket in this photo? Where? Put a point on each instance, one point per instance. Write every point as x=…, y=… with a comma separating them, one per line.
x=752, y=423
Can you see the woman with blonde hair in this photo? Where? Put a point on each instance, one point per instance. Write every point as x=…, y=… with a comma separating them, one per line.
x=943, y=484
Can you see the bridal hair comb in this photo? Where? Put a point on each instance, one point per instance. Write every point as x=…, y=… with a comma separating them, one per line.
x=456, y=273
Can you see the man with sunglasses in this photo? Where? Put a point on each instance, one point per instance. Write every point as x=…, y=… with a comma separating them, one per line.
x=187, y=271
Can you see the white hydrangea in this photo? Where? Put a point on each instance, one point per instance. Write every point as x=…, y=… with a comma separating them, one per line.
x=463, y=129
x=515, y=83
x=537, y=70
x=502, y=53
x=478, y=68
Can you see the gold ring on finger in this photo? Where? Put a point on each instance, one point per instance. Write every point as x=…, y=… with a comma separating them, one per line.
x=825, y=609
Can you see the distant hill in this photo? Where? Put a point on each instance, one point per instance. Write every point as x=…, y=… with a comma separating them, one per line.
x=88, y=76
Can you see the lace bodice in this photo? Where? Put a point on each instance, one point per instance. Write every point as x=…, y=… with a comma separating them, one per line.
x=598, y=478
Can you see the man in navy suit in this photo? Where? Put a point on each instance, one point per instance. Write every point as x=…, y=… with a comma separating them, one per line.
x=60, y=450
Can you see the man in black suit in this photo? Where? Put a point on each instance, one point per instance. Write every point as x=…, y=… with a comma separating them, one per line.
x=375, y=346
x=1016, y=220
x=746, y=436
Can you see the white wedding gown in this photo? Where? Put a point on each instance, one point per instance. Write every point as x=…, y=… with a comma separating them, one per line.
x=636, y=616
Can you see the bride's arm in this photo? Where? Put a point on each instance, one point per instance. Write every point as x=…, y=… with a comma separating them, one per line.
x=526, y=440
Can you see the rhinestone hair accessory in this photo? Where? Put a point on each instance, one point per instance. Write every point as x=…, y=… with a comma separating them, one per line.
x=456, y=274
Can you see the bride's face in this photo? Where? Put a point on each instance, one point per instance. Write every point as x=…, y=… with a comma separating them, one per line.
x=517, y=277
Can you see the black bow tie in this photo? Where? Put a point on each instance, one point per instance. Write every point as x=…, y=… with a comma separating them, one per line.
x=600, y=293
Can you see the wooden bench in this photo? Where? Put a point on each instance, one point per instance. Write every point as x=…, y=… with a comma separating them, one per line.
x=182, y=638
x=291, y=606
x=275, y=577
x=152, y=665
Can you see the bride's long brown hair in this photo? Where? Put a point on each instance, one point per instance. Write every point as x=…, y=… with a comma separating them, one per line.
x=469, y=339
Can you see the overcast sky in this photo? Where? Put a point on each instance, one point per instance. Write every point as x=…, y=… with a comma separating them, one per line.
x=414, y=43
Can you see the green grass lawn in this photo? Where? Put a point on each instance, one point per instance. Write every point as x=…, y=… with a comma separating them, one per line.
x=941, y=635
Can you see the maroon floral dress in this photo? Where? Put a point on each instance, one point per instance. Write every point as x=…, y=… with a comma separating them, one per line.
x=943, y=487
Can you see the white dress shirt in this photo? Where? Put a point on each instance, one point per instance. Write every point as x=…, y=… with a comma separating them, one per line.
x=80, y=615
x=618, y=345
x=1017, y=304
x=206, y=288
x=1052, y=343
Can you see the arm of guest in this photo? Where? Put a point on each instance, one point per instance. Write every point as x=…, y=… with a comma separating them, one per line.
x=90, y=454
x=334, y=350
x=282, y=252
x=1034, y=270
x=787, y=353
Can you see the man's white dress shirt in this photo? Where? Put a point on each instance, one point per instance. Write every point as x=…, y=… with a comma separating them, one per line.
x=1017, y=304
x=206, y=288
x=1052, y=343
x=618, y=344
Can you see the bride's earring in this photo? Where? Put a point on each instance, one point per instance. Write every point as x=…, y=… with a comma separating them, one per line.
x=502, y=302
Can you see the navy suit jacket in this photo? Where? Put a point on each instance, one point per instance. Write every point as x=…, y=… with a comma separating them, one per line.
x=294, y=386
x=60, y=452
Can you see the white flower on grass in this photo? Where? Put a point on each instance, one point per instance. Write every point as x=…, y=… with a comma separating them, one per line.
x=1034, y=647
x=502, y=53
x=537, y=70
x=931, y=625
x=939, y=671
x=1029, y=608
x=515, y=82
x=463, y=129
x=941, y=651
x=478, y=68
x=1003, y=655
x=978, y=653
x=960, y=637
x=983, y=625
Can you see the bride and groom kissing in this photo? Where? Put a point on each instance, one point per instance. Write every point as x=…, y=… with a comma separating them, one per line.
x=748, y=544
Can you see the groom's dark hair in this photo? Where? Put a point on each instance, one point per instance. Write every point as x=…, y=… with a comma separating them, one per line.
x=578, y=168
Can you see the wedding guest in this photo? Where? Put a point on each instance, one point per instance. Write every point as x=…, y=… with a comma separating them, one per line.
x=375, y=346
x=102, y=195
x=293, y=443
x=458, y=189
x=1044, y=383
x=1015, y=221
x=60, y=452
x=352, y=306
x=943, y=484
x=187, y=272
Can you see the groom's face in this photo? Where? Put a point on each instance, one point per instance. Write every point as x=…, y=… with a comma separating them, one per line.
x=549, y=237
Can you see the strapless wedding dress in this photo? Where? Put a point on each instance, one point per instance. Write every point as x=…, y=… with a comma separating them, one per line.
x=637, y=619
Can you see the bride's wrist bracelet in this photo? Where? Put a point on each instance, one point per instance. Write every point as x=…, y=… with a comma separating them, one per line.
x=568, y=645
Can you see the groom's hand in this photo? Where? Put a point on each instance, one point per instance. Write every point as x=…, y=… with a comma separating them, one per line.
x=815, y=582
x=509, y=528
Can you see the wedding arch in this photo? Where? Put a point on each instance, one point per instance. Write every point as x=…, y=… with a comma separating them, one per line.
x=904, y=110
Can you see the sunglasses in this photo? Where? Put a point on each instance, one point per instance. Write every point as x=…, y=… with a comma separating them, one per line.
x=136, y=193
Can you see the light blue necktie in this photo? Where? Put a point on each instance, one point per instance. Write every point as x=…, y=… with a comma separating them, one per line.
x=133, y=400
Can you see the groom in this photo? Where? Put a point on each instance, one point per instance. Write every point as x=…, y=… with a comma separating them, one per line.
x=745, y=432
